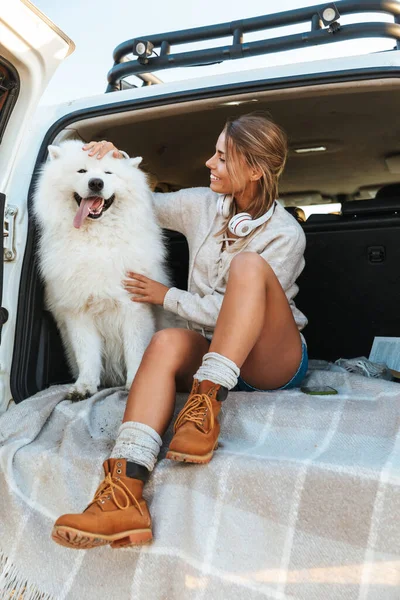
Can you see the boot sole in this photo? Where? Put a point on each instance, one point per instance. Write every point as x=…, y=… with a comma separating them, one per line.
x=191, y=458
x=83, y=540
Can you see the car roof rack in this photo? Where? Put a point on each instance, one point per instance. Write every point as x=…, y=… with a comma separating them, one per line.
x=325, y=28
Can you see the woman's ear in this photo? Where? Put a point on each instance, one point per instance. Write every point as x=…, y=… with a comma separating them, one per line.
x=256, y=174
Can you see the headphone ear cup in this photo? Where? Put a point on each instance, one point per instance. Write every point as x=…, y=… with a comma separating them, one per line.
x=241, y=224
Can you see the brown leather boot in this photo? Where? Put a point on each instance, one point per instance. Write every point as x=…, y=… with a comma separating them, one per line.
x=117, y=515
x=197, y=427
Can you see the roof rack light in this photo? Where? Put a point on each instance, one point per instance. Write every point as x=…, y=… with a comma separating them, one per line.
x=148, y=61
x=143, y=49
x=329, y=15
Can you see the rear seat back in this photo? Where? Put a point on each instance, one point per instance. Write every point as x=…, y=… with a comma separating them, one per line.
x=350, y=287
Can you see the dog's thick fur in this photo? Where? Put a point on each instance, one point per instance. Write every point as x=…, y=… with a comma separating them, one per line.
x=83, y=260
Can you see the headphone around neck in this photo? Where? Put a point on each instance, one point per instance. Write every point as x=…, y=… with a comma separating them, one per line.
x=241, y=224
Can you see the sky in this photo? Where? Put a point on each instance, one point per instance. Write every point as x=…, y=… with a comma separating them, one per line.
x=98, y=26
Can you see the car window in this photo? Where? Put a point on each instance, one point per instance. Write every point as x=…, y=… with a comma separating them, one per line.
x=311, y=203
x=326, y=209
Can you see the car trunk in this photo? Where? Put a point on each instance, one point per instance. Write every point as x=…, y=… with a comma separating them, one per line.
x=351, y=281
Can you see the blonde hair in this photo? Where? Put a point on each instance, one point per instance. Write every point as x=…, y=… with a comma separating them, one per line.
x=262, y=145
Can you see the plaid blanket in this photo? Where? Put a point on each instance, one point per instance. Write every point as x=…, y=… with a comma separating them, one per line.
x=301, y=500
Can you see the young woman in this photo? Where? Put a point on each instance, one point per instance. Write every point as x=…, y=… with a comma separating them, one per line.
x=243, y=326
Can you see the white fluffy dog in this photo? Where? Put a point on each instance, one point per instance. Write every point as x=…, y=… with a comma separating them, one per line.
x=97, y=223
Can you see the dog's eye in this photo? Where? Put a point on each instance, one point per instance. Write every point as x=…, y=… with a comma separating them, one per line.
x=82, y=171
x=108, y=172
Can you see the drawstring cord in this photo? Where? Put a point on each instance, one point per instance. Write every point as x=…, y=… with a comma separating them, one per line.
x=221, y=275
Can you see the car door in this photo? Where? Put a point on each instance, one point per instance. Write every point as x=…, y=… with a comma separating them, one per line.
x=31, y=49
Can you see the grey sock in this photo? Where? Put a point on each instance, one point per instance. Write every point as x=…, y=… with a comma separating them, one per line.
x=218, y=369
x=138, y=443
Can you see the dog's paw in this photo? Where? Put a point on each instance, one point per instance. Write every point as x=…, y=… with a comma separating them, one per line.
x=75, y=396
x=80, y=391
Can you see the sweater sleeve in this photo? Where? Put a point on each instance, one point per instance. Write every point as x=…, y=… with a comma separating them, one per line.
x=179, y=210
x=203, y=310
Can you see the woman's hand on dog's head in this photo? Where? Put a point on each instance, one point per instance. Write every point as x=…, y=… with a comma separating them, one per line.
x=101, y=149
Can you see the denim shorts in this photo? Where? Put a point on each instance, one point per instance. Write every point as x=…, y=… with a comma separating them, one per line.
x=296, y=380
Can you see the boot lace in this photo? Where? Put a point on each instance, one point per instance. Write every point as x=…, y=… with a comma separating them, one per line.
x=195, y=410
x=109, y=484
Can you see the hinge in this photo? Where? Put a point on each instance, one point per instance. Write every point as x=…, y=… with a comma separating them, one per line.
x=9, y=233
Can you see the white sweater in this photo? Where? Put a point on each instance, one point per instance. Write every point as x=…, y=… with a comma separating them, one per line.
x=193, y=212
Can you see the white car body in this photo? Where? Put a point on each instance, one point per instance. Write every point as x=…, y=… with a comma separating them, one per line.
x=35, y=53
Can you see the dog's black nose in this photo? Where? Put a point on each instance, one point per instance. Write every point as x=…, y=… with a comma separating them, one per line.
x=96, y=184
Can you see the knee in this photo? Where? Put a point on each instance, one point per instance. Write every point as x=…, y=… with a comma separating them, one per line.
x=249, y=265
x=166, y=343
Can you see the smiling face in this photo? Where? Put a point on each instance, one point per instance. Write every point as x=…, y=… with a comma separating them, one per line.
x=219, y=177
x=91, y=183
x=255, y=151
x=244, y=186
x=91, y=188
x=94, y=201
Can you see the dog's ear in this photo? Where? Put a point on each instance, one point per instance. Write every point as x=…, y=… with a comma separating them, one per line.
x=54, y=152
x=135, y=162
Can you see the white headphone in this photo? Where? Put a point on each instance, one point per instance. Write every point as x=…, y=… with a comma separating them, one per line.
x=241, y=224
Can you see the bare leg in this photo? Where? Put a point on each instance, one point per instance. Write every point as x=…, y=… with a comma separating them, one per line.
x=255, y=326
x=170, y=361
x=255, y=329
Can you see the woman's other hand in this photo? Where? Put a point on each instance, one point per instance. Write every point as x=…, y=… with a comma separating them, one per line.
x=143, y=289
x=101, y=149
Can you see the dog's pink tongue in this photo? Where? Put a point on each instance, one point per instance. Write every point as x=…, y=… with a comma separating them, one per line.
x=83, y=211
